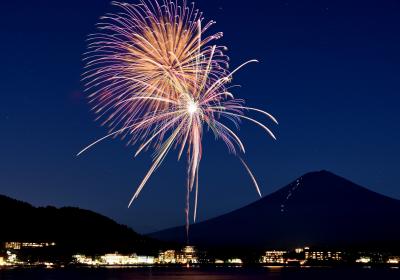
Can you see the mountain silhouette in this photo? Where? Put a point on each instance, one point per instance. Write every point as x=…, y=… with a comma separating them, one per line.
x=74, y=230
x=319, y=209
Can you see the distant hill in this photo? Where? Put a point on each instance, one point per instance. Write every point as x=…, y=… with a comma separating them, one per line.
x=74, y=230
x=318, y=209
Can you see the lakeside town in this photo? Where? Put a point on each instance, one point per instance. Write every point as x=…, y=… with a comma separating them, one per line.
x=190, y=256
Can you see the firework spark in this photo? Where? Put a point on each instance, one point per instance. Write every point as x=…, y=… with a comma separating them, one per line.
x=156, y=79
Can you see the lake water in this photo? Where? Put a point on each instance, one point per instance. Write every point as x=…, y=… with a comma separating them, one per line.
x=265, y=273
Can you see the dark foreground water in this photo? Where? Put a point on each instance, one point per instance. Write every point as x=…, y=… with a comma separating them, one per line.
x=299, y=273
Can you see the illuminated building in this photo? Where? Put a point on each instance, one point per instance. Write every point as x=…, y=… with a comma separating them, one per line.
x=145, y=260
x=167, y=257
x=48, y=264
x=23, y=245
x=393, y=260
x=12, y=245
x=2, y=261
x=114, y=259
x=82, y=259
x=186, y=256
x=323, y=255
x=299, y=250
x=273, y=257
x=11, y=258
x=117, y=259
x=363, y=259
x=235, y=261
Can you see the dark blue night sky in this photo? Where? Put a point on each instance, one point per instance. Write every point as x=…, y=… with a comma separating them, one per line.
x=329, y=72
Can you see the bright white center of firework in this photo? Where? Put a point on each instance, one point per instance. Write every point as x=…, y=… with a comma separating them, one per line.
x=192, y=107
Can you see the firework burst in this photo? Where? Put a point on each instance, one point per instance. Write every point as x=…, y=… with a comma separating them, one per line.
x=156, y=79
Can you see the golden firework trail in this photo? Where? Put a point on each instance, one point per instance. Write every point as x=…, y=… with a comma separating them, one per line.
x=156, y=79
